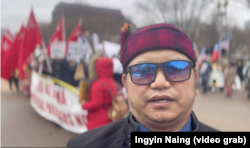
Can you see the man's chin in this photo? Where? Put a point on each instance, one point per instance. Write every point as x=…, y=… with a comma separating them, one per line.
x=162, y=118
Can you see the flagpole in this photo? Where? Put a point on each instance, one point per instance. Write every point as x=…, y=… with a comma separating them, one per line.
x=64, y=31
x=220, y=28
x=220, y=61
x=47, y=58
x=228, y=52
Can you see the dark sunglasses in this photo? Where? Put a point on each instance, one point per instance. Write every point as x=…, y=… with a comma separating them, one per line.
x=174, y=71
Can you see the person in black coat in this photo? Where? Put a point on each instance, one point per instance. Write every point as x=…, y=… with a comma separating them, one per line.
x=68, y=69
x=160, y=78
x=204, y=74
x=240, y=67
x=57, y=71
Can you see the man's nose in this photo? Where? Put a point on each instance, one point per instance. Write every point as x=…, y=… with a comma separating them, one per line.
x=160, y=81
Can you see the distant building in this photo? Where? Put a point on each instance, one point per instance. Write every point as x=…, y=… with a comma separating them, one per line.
x=105, y=22
x=247, y=25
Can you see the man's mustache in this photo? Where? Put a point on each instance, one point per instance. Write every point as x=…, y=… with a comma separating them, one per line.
x=161, y=92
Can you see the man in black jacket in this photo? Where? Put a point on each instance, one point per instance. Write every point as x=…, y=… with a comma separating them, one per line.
x=160, y=77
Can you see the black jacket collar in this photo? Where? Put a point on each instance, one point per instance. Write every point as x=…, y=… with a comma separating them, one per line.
x=134, y=126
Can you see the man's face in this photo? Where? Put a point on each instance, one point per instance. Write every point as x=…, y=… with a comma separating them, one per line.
x=181, y=93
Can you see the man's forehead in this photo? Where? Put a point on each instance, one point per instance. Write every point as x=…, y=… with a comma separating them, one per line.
x=158, y=56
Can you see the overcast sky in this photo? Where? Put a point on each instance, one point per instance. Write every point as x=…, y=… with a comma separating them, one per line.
x=14, y=13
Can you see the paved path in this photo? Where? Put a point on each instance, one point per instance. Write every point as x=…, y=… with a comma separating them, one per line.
x=5, y=85
x=225, y=114
x=21, y=126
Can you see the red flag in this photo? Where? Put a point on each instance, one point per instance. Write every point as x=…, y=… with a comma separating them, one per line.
x=11, y=56
x=216, y=55
x=10, y=36
x=74, y=35
x=5, y=46
x=7, y=41
x=59, y=34
x=31, y=39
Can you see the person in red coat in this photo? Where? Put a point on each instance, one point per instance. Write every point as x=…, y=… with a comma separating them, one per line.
x=99, y=94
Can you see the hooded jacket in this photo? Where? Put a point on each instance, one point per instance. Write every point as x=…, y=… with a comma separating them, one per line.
x=99, y=97
x=118, y=133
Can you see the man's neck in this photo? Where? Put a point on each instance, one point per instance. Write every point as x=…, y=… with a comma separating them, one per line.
x=171, y=126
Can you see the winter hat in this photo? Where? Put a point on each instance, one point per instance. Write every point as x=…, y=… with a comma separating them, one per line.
x=158, y=36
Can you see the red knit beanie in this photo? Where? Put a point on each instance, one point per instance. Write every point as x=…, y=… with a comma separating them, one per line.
x=158, y=36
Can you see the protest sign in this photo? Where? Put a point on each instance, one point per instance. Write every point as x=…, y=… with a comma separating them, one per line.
x=57, y=49
x=79, y=50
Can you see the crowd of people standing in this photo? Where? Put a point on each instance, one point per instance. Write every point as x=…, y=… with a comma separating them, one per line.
x=61, y=69
x=103, y=73
x=233, y=69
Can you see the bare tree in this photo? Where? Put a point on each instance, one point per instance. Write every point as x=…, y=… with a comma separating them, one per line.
x=246, y=3
x=184, y=14
x=187, y=15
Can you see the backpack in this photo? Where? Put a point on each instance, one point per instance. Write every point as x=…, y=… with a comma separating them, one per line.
x=84, y=86
x=85, y=83
x=118, y=108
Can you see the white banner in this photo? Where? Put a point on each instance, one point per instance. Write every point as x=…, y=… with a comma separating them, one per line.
x=79, y=50
x=57, y=48
x=57, y=104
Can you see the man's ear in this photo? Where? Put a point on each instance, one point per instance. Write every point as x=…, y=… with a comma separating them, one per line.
x=196, y=76
x=124, y=80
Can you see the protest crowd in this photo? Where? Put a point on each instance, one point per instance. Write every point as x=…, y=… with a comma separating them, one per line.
x=100, y=74
x=97, y=74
